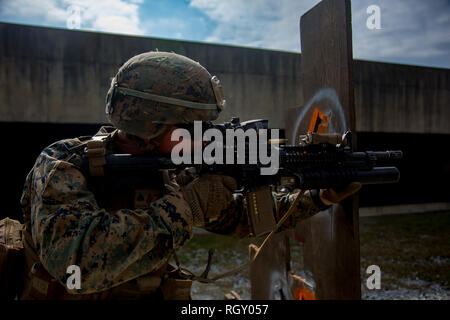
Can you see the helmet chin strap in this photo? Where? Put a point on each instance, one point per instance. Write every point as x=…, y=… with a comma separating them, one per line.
x=215, y=82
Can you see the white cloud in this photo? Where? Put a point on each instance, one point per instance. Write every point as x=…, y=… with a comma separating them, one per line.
x=116, y=16
x=256, y=23
x=410, y=30
x=413, y=31
x=46, y=10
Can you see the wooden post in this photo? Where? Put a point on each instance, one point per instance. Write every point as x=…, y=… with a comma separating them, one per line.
x=269, y=272
x=331, y=249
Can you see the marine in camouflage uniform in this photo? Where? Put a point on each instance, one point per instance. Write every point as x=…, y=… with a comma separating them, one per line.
x=119, y=246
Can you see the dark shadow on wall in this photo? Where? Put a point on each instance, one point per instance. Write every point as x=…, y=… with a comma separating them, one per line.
x=425, y=168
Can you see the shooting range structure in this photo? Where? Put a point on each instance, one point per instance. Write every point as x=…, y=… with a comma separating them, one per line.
x=53, y=84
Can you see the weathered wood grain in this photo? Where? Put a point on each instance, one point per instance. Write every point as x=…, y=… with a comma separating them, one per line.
x=331, y=249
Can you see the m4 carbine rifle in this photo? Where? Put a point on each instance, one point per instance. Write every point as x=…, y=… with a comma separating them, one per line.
x=318, y=161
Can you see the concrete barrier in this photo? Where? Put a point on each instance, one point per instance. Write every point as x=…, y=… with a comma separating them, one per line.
x=58, y=75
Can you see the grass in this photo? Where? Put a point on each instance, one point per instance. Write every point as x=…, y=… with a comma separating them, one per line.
x=411, y=251
x=229, y=254
x=415, y=246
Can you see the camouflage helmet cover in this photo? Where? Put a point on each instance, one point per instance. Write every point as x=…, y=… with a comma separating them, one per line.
x=154, y=90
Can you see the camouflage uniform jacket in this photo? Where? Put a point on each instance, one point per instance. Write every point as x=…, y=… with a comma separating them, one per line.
x=68, y=226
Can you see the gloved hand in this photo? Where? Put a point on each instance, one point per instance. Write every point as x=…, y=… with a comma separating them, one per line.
x=208, y=196
x=330, y=196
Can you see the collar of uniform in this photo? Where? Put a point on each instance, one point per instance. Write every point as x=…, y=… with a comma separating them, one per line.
x=107, y=134
x=106, y=130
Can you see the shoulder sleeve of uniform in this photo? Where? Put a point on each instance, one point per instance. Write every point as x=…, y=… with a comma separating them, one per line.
x=69, y=228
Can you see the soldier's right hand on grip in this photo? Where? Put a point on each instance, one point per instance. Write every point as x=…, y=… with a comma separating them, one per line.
x=208, y=196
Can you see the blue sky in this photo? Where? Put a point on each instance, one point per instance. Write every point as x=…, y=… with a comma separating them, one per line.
x=412, y=31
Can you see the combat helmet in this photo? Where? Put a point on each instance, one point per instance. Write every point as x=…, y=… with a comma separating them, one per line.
x=154, y=90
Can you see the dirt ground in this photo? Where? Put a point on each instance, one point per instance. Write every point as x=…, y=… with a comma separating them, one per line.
x=412, y=251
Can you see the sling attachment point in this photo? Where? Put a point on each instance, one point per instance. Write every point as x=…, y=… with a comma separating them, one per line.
x=95, y=151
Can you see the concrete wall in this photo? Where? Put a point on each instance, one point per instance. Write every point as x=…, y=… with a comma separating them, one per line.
x=400, y=98
x=56, y=75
